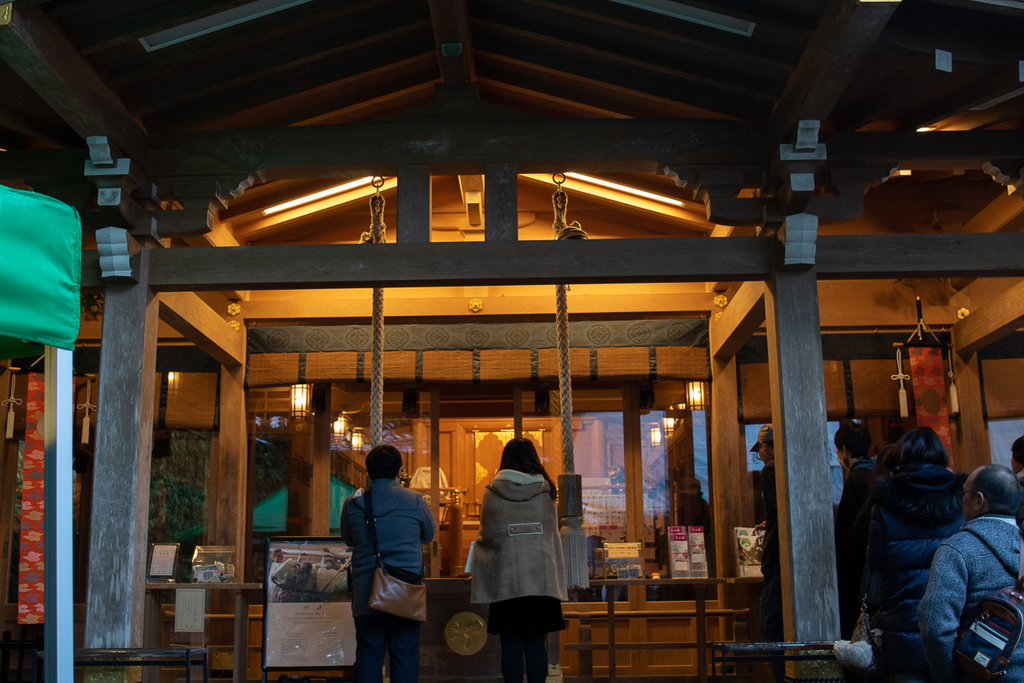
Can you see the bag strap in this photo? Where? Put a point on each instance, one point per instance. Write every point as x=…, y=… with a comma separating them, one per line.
x=1020, y=573
x=371, y=525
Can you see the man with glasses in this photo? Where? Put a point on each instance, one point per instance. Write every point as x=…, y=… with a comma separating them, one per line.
x=975, y=563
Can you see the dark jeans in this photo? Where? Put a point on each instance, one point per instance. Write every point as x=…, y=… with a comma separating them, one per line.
x=771, y=616
x=378, y=632
x=517, y=648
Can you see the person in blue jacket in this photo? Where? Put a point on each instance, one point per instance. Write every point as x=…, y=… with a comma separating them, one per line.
x=403, y=522
x=915, y=508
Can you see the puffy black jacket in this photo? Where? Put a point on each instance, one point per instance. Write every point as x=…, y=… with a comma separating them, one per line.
x=914, y=511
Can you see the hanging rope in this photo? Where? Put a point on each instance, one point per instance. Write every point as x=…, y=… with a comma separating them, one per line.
x=570, y=484
x=87, y=406
x=10, y=403
x=954, y=401
x=901, y=376
x=376, y=235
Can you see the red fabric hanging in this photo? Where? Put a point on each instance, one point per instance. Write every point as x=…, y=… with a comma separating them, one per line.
x=929, y=377
x=30, y=566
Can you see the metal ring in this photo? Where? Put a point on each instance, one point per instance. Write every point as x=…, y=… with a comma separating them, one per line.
x=377, y=182
x=556, y=181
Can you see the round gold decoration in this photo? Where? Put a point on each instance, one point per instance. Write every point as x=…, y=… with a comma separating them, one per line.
x=465, y=633
x=234, y=309
x=476, y=305
x=721, y=301
x=962, y=313
x=235, y=325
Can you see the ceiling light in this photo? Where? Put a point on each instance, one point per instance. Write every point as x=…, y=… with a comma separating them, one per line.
x=904, y=171
x=337, y=189
x=925, y=129
x=215, y=22
x=694, y=15
x=624, y=188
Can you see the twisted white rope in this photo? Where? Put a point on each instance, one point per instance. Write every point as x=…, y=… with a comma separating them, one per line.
x=564, y=376
x=376, y=235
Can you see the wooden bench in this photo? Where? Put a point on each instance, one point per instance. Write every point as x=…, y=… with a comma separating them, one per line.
x=139, y=656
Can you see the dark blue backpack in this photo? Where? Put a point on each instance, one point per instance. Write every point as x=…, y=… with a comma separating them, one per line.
x=983, y=649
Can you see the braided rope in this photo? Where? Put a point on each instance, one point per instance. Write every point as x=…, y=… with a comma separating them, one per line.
x=564, y=376
x=376, y=235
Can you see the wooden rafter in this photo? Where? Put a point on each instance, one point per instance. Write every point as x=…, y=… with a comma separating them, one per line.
x=200, y=324
x=846, y=33
x=991, y=322
x=740, y=319
x=450, y=19
x=49, y=63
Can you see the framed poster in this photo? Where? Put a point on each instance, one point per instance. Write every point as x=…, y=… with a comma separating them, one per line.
x=162, y=561
x=307, y=607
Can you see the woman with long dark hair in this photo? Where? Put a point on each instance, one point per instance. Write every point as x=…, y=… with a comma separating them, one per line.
x=517, y=562
x=916, y=507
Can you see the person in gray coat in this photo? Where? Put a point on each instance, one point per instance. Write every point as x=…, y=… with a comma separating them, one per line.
x=403, y=522
x=973, y=564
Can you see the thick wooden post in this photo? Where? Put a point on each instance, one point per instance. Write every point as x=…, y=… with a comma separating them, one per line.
x=232, y=465
x=115, y=601
x=972, y=442
x=435, y=476
x=807, y=540
x=732, y=498
x=501, y=202
x=321, y=494
x=414, y=203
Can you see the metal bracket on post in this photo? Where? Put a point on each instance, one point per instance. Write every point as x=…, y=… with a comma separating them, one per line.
x=799, y=234
x=119, y=254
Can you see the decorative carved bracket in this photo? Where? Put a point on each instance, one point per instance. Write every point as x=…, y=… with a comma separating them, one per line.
x=799, y=233
x=119, y=254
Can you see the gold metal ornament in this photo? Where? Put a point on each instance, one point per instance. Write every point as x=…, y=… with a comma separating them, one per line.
x=6, y=14
x=718, y=315
x=721, y=301
x=962, y=313
x=234, y=309
x=465, y=633
x=476, y=305
x=235, y=325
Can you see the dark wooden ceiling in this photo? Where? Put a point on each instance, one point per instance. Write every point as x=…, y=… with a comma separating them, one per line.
x=328, y=61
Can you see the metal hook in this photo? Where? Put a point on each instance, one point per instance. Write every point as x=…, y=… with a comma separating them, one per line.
x=556, y=181
x=377, y=182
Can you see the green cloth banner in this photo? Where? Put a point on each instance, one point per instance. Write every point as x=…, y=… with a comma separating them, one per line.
x=40, y=273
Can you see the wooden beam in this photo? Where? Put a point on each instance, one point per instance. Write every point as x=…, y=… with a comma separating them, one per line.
x=201, y=325
x=50, y=64
x=414, y=203
x=1000, y=215
x=990, y=323
x=539, y=146
x=733, y=503
x=330, y=266
x=232, y=464
x=450, y=19
x=953, y=149
x=844, y=37
x=501, y=204
x=115, y=600
x=972, y=442
x=740, y=319
x=806, y=539
x=320, y=487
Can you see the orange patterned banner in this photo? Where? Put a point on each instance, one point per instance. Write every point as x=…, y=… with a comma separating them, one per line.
x=30, y=567
x=929, y=377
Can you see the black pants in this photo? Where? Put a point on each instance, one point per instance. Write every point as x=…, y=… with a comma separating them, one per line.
x=518, y=649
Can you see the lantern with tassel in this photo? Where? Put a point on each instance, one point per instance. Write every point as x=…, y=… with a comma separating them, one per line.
x=901, y=376
x=10, y=403
x=87, y=406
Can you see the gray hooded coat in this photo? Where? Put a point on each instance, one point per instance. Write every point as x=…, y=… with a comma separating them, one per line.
x=975, y=563
x=518, y=551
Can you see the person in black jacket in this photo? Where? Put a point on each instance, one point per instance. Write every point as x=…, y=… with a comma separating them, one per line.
x=915, y=508
x=771, y=569
x=853, y=445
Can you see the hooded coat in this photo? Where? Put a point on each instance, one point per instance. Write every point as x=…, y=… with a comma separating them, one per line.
x=915, y=510
x=518, y=551
x=976, y=563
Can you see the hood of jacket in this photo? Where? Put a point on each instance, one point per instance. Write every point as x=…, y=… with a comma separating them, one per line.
x=516, y=486
x=923, y=494
x=994, y=533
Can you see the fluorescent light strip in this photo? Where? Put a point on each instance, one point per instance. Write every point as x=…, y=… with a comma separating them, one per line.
x=694, y=15
x=624, y=188
x=337, y=189
x=215, y=22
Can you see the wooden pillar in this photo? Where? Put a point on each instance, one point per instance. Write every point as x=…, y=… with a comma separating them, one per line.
x=732, y=497
x=517, y=410
x=232, y=465
x=435, y=476
x=414, y=203
x=806, y=535
x=972, y=444
x=8, y=482
x=501, y=202
x=115, y=601
x=323, y=425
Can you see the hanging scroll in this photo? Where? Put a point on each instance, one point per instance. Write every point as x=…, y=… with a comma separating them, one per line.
x=30, y=565
x=929, y=377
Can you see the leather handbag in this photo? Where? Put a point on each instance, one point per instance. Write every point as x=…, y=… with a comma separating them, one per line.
x=395, y=591
x=862, y=654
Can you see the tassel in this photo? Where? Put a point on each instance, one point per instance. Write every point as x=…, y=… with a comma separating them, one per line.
x=954, y=401
x=10, y=403
x=574, y=545
x=904, y=410
x=85, y=428
x=86, y=422
x=10, y=422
